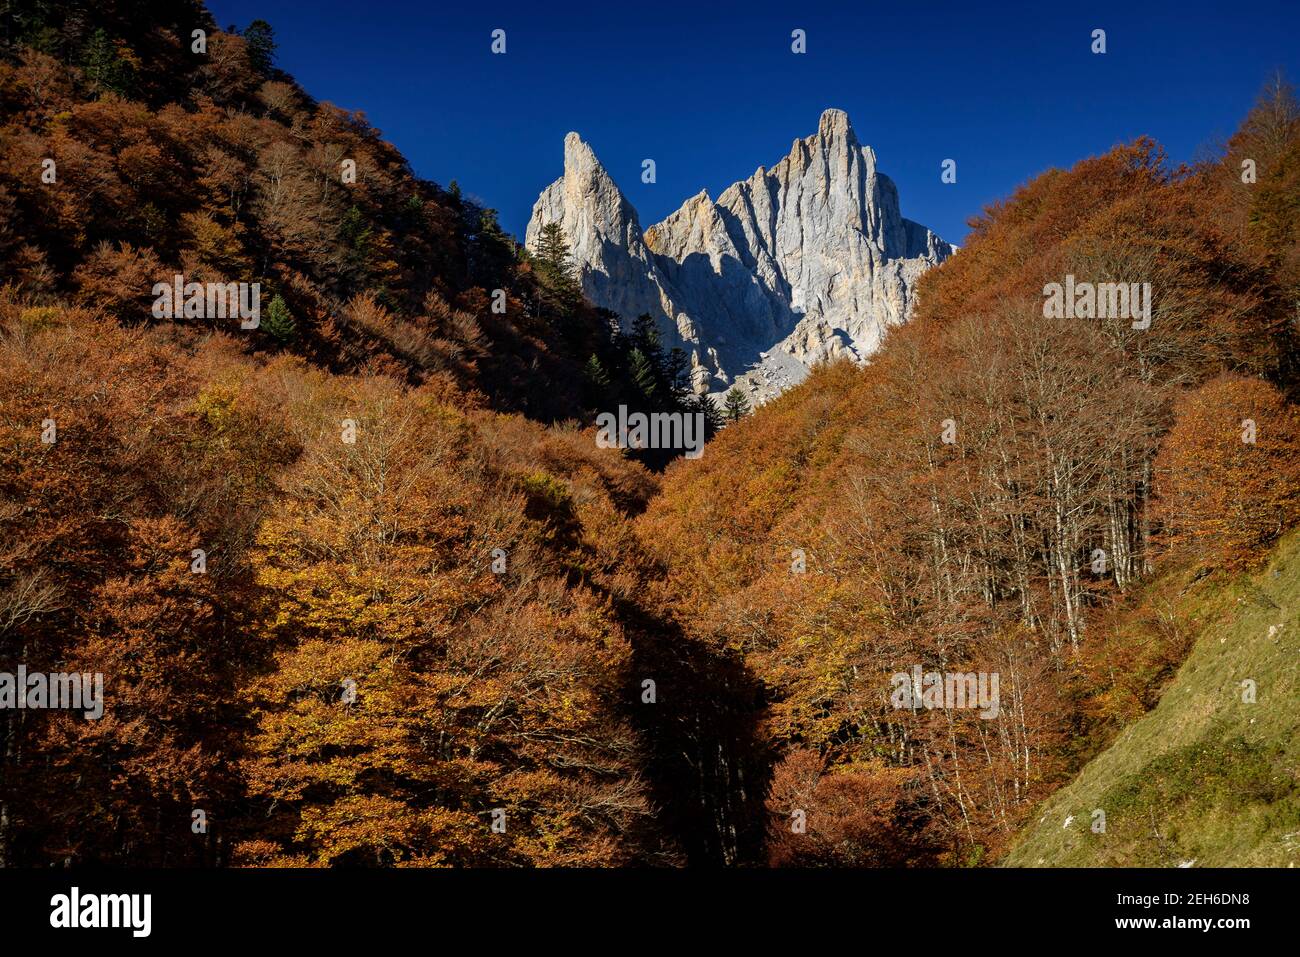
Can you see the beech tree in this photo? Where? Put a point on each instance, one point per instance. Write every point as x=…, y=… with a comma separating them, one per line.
x=422, y=696
x=375, y=598
x=1229, y=470
x=982, y=496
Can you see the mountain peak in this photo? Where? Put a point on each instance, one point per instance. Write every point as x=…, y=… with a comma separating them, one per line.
x=581, y=164
x=835, y=123
x=807, y=260
x=585, y=200
x=605, y=240
x=575, y=144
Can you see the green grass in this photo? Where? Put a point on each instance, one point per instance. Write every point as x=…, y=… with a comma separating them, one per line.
x=1204, y=776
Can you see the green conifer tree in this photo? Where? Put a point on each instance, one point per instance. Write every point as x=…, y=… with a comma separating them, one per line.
x=676, y=377
x=595, y=372
x=555, y=269
x=713, y=418
x=259, y=39
x=735, y=404
x=278, y=321
x=644, y=375
x=103, y=67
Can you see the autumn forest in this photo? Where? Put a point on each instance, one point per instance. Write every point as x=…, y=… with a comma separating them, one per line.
x=364, y=590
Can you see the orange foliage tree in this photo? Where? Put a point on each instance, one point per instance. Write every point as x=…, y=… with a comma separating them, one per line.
x=1229, y=470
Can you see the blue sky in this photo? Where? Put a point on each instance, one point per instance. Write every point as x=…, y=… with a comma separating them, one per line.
x=710, y=91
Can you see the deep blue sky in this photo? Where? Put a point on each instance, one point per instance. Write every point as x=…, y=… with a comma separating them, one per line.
x=712, y=91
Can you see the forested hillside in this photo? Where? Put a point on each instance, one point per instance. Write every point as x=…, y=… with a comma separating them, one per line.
x=240, y=528
x=1208, y=777
x=135, y=148
x=365, y=591
x=991, y=494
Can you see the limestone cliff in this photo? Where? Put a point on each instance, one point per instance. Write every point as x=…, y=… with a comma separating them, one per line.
x=805, y=261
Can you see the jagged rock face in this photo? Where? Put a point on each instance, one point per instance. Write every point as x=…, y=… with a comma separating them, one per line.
x=807, y=261
x=617, y=270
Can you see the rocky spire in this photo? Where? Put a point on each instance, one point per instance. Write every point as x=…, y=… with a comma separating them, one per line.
x=616, y=269
x=805, y=261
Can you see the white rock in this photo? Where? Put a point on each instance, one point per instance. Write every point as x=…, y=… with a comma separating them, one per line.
x=810, y=260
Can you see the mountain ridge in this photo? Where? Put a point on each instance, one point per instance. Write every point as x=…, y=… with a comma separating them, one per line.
x=807, y=260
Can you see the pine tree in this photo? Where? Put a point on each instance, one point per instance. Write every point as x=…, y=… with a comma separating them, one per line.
x=735, y=404
x=644, y=375
x=555, y=268
x=645, y=334
x=595, y=373
x=260, y=41
x=595, y=382
x=676, y=369
x=279, y=321
x=354, y=231
x=665, y=376
x=103, y=66
x=491, y=253
x=713, y=418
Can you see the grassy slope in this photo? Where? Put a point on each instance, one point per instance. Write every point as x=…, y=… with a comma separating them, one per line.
x=1203, y=777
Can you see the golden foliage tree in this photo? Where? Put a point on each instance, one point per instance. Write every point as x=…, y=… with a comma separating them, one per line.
x=1229, y=470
